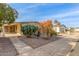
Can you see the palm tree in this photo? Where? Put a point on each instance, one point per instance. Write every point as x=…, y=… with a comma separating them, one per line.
x=7, y=14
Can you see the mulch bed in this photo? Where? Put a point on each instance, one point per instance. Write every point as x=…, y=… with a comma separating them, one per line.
x=6, y=47
x=36, y=42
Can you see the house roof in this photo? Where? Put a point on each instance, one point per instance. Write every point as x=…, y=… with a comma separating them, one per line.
x=27, y=22
x=23, y=22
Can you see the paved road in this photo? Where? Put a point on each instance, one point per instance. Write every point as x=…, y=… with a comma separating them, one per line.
x=75, y=50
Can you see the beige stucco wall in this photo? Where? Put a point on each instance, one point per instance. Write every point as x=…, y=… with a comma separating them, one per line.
x=57, y=29
x=18, y=30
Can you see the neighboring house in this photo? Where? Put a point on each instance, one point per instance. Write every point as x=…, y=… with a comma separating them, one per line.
x=14, y=29
x=72, y=30
x=58, y=27
x=63, y=29
x=76, y=29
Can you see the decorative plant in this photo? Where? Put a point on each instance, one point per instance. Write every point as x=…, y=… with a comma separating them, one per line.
x=52, y=32
x=47, y=27
x=29, y=30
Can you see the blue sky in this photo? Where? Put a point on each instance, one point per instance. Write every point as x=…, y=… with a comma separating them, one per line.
x=67, y=14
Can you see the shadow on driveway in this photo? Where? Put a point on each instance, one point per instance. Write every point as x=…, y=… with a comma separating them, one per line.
x=6, y=47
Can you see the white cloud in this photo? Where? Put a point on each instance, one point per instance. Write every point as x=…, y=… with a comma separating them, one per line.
x=71, y=13
x=43, y=4
x=62, y=15
x=28, y=8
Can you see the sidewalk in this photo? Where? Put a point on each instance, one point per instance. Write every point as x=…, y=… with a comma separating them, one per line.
x=20, y=46
x=75, y=48
x=75, y=51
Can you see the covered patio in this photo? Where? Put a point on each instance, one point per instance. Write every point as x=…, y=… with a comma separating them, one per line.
x=13, y=29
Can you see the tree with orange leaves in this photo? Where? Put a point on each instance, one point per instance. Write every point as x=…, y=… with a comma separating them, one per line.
x=46, y=27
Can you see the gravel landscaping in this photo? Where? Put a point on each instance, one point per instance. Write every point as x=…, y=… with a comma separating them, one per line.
x=57, y=48
x=36, y=42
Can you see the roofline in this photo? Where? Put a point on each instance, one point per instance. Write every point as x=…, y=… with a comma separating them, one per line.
x=27, y=22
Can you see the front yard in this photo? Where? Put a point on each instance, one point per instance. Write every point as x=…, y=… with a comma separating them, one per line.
x=23, y=46
x=42, y=47
x=37, y=42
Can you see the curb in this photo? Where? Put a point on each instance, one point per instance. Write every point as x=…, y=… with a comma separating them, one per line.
x=72, y=49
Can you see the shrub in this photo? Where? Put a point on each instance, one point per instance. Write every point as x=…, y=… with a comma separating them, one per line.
x=52, y=32
x=29, y=30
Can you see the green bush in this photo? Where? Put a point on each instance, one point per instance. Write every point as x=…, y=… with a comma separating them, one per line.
x=29, y=30
x=52, y=32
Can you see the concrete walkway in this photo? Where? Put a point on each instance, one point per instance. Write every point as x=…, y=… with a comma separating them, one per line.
x=20, y=46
